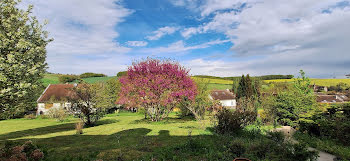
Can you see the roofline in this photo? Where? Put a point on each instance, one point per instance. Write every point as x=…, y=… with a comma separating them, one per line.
x=42, y=93
x=226, y=99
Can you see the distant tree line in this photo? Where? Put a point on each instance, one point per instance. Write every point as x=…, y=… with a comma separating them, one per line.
x=264, y=77
x=66, y=78
x=87, y=75
x=122, y=73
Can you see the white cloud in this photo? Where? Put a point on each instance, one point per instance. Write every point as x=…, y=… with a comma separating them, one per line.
x=286, y=35
x=180, y=46
x=137, y=43
x=167, y=30
x=80, y=28
x=191, y=4
x=211, y=6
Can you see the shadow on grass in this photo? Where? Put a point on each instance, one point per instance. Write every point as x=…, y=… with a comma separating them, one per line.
x=135, y=144
x=48, y=130
x=170, y=120
x=125, y=145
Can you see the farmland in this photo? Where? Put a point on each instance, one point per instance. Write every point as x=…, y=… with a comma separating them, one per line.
x=214, y=83
x=320, y=82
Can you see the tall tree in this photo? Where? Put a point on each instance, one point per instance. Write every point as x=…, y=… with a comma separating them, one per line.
x=294, y=103
x=241, y=89
x=88, y=102
x=245, y=87
x=22, y=61
x=202, y=101
x=157, y=86
x=249, y=87
x=109, y=93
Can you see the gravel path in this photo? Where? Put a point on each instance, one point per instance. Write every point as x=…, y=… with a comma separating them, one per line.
x=323, y=156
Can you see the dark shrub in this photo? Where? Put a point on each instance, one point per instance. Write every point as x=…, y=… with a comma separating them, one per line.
x=67, y=78
x=333, y=124
x=233, y=121
x=277, y=137
x=14, y=152
x=237, y=148
x=122, y=73
x=87, y=75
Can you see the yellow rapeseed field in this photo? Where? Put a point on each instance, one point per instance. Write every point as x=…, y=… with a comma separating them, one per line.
x=320, y=82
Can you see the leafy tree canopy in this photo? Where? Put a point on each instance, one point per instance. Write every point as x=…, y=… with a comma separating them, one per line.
x=157, y=86
x=22, y=60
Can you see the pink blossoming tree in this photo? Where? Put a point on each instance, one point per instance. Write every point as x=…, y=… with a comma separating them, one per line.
x=157, y=86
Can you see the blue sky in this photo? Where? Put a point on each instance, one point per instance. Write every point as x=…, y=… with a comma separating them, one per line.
x=213, y=37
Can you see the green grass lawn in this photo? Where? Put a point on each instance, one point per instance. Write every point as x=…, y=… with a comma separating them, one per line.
x=127, y=135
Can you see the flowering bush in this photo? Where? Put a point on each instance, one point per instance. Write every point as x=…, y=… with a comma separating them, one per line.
x=24, y=152
x=157, y=86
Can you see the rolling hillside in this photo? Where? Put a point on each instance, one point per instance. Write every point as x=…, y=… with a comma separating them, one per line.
x=214, y=83
x=53, y=79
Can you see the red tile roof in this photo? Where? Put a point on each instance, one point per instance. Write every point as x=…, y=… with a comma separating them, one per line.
x=328, y=99
x=61, y=92
x=222, y=95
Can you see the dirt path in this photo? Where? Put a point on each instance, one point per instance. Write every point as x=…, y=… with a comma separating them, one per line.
x=288, y=132
x=323, y=156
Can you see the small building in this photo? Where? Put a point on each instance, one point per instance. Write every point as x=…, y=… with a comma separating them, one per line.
x=55, y=96
x=317, y=88
x=226, y=98
x=332, y=98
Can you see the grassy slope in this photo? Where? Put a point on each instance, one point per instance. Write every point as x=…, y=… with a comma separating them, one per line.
x=214, y=83
x=50, y=79
x=127, y=134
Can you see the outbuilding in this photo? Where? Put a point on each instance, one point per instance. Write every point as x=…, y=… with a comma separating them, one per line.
x=226, y=98
x=55, y=96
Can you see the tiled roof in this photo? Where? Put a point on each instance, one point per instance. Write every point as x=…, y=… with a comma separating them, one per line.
x=328, y=99
x=222, y=95
x=60, y=92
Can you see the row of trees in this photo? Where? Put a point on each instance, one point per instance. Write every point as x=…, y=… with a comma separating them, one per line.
x=66, y=78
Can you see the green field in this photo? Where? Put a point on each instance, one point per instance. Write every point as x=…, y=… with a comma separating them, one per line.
x=219, y=84
x=213, y=83
x=50, y=79
x=320, y=82
x=127, y=135
x=53, y=79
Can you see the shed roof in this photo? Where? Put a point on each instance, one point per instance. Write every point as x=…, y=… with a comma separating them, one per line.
x=328, y=99
x=222, y=95
x=60, y=92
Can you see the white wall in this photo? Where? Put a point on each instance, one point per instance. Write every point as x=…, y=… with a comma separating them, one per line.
x=229, y=103
x=42, y=109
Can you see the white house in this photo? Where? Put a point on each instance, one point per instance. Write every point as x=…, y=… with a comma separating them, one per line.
x=227, y=98
x=55, y=96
